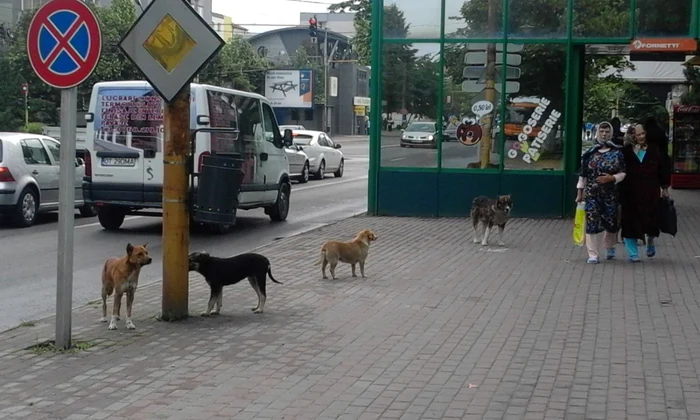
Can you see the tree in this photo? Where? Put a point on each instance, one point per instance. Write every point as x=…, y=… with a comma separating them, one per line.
x=11, y=97
x=236, y=66
x=361, y=42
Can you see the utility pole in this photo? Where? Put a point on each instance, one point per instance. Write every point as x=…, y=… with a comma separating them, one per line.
x=325, y=78
x=490, y=90
x=25, y=90
x=176, y=220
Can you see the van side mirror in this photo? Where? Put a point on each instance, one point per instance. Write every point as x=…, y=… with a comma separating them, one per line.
x=337, y=146
x=288, y=138
x=79, y=162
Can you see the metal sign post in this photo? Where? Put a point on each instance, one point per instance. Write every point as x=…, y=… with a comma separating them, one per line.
x=169, y=44
x=64, y=44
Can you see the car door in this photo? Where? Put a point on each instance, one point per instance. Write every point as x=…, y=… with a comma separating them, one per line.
x=335, y=154
x=54, y=149
x=40, y=166
x=328, y=152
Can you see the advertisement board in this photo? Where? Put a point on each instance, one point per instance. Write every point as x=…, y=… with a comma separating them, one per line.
x=289, y=88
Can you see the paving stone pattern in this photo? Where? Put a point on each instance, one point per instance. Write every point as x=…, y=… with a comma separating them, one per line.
x=440, y=329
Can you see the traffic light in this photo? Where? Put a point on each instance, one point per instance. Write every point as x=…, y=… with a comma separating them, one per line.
x=313, y=27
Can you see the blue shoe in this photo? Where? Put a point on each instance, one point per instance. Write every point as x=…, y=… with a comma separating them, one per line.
x=651, y=248
x=610, y=254
x=592, y=260
x=631, y=247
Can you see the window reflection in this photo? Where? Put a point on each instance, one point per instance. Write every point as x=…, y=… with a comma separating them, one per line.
x=473, y=19
x=663, y=17
x=593, y=19
x=412, y=19
x=536, y=19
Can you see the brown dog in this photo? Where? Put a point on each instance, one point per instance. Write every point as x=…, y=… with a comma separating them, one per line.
x=352, y=252
x=121, y=275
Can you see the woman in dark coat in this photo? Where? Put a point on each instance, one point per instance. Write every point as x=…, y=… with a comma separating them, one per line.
x=648, y=177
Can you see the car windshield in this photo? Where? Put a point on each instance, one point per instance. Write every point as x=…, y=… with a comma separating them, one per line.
x=302, y=139
x=421, y=127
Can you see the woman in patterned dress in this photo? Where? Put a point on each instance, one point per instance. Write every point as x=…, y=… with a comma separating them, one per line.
x=602, y=168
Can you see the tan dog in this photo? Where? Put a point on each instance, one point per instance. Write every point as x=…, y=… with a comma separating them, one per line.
x=352, y=252
x=121, y=275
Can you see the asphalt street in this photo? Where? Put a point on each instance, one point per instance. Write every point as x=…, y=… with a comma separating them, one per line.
x=454, y=153
x=28, y=256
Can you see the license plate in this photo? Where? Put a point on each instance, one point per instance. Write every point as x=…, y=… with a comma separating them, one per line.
x=111, y=161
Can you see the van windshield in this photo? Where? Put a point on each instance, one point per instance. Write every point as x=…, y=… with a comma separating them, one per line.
x=128, y=118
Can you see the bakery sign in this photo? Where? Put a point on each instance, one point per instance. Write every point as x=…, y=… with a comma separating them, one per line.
x=663, y=45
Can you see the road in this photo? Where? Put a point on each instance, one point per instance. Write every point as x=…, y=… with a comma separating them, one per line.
x=28, y=256
x=454, y=153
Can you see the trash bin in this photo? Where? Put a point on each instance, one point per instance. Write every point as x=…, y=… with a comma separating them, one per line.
x=217, y=192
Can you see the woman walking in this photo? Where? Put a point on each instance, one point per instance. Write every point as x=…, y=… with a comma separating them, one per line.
x=648, y=178
x=602, y=167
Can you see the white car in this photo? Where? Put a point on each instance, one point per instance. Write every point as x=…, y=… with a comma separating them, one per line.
x=324, y=155
x=298, y=164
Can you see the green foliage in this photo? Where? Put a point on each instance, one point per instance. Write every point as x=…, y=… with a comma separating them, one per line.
x=692, y=75
x=236, y=66
x=33, y=128
x=361, y=43
x=11, y=97
x=304, y=59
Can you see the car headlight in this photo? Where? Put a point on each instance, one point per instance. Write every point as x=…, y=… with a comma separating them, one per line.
x=403, y=137
x=430, y=138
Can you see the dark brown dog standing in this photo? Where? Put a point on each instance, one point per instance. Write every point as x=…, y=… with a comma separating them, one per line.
x=121, y=276
x=490, y=212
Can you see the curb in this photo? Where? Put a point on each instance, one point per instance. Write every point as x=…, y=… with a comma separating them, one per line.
x=160, y=280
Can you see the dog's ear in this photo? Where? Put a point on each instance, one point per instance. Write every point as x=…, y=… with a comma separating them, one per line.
x=129, y=248
x=145, y=245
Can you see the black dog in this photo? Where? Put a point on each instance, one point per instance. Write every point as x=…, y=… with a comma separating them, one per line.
x=220, y=272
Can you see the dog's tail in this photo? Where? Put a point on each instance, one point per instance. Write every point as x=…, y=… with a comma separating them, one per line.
x=269, y=273
x=322, y=257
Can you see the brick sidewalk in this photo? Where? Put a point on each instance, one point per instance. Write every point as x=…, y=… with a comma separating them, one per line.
x=441, y=328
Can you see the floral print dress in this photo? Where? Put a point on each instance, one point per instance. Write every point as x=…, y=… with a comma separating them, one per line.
x=601, y=199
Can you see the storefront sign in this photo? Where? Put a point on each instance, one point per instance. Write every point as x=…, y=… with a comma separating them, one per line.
x=686, y=109
x=531, y=151
x=361, y=101
x=664, y=45
x=359, y=110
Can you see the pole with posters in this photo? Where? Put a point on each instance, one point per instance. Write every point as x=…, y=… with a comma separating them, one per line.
x=64, y=44
x=169, y=44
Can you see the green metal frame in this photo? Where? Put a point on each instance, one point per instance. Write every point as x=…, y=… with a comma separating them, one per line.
x=575, y=52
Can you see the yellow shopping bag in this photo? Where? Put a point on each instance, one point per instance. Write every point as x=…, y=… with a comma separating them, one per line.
x=579, y=225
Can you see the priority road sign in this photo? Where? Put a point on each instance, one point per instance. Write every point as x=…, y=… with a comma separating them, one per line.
x=64, y=43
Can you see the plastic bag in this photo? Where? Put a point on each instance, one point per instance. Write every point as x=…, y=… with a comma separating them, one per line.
x=580, y=225
x=668, y=222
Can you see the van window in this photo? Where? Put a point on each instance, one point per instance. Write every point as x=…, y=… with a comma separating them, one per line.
x=222, y=114
x=130, y=117
x=272, y=132
x=249, y=120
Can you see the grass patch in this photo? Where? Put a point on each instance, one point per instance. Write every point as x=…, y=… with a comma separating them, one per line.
x=50, y=347
x=24, y=324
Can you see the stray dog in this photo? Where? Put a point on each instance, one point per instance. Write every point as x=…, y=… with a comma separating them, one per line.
x=121, y=275
x=352, y=252
x=220, y=272
x=490, y=212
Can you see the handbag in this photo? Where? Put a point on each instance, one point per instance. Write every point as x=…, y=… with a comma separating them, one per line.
x=668, y=222
x=579, y=233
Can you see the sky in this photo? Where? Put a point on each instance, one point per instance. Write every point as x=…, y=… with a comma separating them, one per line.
x=264, y=15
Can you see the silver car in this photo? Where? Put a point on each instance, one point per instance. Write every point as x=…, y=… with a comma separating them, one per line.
x=298, y=163
x=420, y=134
x=29, y=177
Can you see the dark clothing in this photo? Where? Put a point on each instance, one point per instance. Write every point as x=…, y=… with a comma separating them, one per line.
x=640, y=191
x=601, y=200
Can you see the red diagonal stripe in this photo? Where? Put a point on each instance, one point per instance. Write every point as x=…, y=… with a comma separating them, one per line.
x=63, y=44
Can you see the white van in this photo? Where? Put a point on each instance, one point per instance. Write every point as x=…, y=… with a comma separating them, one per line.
x=124, y=148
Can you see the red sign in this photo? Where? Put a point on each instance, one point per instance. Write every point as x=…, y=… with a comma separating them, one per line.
x=64, y=43
x=664, y=45
x=686, y=109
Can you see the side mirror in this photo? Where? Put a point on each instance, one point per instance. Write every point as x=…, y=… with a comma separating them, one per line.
x=402, y=130
x=79, y=162
x=337, y=146
x=288, y=138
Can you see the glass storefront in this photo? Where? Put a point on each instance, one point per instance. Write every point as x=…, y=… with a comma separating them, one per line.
x=486, y=95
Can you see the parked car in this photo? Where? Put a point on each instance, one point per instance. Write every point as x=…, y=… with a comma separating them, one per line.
x=324, y=155
x=29, y=177
x=291, y=127
x=298, y=164
x=420, y=134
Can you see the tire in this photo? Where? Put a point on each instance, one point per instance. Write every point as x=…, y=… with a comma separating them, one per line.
x=341, y=169
x=304, y=178
x=279, y=211
x=88, y=211
x=321, y=171
x=111, y=218
x=403, y=145
x=27, y=208
x=218, y=229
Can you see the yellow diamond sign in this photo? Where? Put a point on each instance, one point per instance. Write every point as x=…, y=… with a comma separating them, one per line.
x=168, y=44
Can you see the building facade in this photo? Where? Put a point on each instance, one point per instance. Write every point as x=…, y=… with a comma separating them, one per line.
x=225, y=27
x=502, y=81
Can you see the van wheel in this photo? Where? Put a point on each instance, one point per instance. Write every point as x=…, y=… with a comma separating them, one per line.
x=279, y=211
x=341, y=169
x=321, y=170
x=26, y=210
x=88, y=211
x=218, y=229
x=111, y=218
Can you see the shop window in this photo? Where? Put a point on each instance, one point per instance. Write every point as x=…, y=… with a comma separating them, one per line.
x=664, y=17
x=536, y=18
x=533, y=127
x=471, y=126
x=403, y=19
x=471, y=19
x=410, y=86
x=593, y=19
